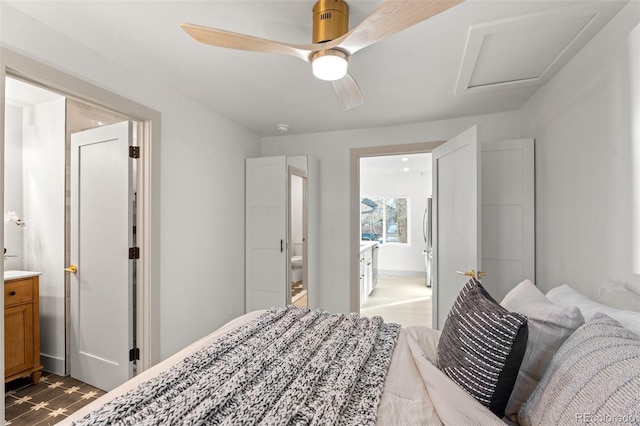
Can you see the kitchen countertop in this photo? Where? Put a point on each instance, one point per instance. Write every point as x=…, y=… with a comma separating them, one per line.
x=366, y=245
x=15, y=275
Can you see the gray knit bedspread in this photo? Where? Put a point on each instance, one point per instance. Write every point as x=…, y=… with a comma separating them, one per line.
x=290, y=366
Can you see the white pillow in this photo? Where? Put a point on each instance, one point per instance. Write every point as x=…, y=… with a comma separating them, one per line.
x=567, y=296
x=618, y=296
x=549, y=326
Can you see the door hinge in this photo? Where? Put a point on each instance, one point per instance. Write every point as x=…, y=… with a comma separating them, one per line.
x=134, y=354
x=134, y=152
x=134, y=252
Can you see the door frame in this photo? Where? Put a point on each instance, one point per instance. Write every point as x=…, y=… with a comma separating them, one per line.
x=354, y=204
x=148, y=208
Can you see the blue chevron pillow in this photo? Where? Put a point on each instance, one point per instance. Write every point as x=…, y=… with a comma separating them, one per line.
x=482, y=346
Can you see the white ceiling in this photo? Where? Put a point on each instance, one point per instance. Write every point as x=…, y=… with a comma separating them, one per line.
x=412, y=165
x=409, y=77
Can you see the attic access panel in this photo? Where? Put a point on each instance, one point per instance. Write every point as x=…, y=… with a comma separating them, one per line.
x=528, y=50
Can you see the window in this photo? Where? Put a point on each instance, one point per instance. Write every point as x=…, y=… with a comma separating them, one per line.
x=384, y=219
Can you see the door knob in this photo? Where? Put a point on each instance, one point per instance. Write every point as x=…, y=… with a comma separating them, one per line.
x=470, y=273
x=481, y=274
x=73, y=269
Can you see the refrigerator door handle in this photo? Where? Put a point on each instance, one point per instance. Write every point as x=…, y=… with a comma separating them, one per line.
x=427, y=225
x=424, y=225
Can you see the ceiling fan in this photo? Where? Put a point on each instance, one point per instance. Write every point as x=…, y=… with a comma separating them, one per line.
x=332, y=42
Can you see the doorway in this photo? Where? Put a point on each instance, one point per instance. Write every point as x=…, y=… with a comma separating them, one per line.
x=16, y=65
x=298, y=275
x=355, y=209
x=39, y=124
x=394, y=193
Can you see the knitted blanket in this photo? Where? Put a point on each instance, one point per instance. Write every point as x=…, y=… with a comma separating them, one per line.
x=289, y=366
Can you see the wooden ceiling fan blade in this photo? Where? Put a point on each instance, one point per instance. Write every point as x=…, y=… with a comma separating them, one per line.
x=391, y=17
x=231, y=40
x=348, y=92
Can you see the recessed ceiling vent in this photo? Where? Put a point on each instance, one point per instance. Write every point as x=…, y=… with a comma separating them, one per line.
x=528, y=50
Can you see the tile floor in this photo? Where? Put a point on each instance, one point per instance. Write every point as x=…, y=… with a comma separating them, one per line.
x=48, y=402
x=403, y=300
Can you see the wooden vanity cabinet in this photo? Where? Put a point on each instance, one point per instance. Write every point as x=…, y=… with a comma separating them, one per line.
x=22, y=329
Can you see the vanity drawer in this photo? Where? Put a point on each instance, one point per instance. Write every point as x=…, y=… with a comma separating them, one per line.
x=19, y=291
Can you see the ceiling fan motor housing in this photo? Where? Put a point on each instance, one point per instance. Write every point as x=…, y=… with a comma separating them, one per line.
x=330, y=20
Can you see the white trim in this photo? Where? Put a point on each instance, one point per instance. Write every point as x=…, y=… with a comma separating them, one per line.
x=52, y=364
x=2, y=112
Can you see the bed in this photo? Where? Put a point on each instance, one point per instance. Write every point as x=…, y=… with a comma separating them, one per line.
x=389, y=375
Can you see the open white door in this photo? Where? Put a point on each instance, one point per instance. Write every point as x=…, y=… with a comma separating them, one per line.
x=266, y=238
x=456, y=224
x=101, y=235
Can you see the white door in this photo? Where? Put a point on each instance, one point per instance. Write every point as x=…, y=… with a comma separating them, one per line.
x=101, y=235
x=508, y=214
x=266, y=239
x=456, y=236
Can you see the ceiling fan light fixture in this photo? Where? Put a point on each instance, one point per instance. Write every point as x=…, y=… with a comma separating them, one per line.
x=329, y=65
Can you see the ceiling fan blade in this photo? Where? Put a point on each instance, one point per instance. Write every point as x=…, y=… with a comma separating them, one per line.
x=391, y=17
x=231, y=40
x=348, y=91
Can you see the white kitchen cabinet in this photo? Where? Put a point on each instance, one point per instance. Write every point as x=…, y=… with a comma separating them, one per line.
x=368, y=269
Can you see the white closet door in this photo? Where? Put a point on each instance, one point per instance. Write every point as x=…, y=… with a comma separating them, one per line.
x=508, y=214
x=456, y=225
x=266, y=219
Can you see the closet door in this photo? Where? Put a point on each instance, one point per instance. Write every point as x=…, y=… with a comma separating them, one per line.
x=266, y=219
x=508, y=214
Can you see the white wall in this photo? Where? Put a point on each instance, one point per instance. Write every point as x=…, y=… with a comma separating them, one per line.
x=586, y=122
x=402, y=259
x=43, y=175
x=13, y=236
x=332, y=150
x=34, y=170
x=201, y=188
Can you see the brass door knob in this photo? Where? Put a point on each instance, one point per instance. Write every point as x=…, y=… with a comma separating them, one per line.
x=470, y=273
x=73, y=269
x=481, y=274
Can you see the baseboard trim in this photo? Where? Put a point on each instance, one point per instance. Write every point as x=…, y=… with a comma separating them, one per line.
x=52, y=364
x=392, y=273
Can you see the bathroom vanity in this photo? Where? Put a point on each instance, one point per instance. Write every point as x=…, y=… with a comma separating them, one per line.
x=22, y=325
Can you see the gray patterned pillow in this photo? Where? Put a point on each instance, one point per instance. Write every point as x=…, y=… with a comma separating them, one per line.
x=482, y=346
x=593, y=378
x=549, y=327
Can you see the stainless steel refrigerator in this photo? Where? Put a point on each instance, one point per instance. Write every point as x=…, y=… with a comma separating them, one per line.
x=428, y=249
